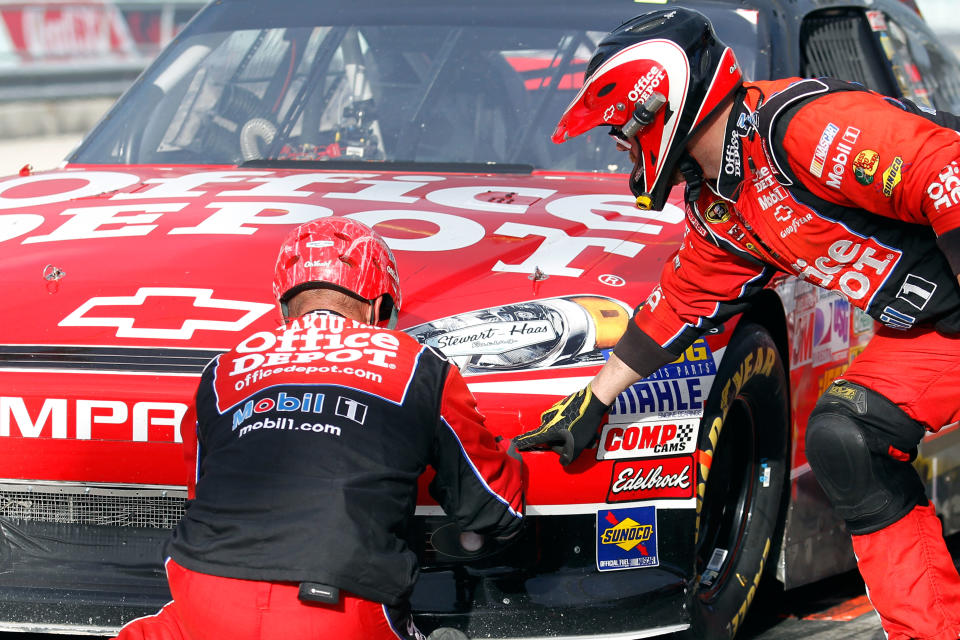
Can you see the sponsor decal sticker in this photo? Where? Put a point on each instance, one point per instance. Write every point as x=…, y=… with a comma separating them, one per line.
x=823, y=148
x=831, y=329
x=945, y=190
x=839, y=159
x=611, y=280
x=351, y=410
x=655, y=478
x=647, y=439
x=627, y=538
x=865, y=165
x=718, y=212
x=647, y=84
x=916, y=291
x=680, y=386
x=859, y=268
x=892, y=176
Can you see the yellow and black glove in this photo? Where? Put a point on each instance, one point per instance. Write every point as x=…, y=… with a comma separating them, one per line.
x=568, y=427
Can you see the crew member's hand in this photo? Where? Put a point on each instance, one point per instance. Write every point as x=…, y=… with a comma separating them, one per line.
x=568, y=427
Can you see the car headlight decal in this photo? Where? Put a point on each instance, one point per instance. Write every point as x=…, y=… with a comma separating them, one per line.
x=551, y=332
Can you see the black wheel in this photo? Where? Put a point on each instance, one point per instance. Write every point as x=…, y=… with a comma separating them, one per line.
x=743, y=447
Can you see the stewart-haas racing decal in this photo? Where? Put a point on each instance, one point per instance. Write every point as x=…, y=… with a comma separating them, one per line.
x=627, y=538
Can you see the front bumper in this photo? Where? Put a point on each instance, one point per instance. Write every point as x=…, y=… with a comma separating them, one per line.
x=84, y=576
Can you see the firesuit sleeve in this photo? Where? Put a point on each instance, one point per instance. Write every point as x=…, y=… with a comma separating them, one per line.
x=860, y=149
x=477, y=482
x=700, y=287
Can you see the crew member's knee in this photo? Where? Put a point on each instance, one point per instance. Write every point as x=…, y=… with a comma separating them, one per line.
x=860, y=446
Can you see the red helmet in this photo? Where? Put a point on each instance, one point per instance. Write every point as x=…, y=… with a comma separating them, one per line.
x=341, y=254
x=654, y=80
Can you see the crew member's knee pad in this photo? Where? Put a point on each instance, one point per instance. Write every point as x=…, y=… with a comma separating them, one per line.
x=860, y=446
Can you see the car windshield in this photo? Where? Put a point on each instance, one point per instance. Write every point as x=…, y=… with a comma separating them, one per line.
x=252, y=82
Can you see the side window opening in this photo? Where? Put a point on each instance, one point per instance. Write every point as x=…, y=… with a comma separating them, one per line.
x=926, y=72
x=840, y=43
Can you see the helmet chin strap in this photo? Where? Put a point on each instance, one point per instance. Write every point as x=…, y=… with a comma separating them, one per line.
x=692, y=173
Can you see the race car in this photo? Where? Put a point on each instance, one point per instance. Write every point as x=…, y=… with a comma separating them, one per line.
x=152, y=250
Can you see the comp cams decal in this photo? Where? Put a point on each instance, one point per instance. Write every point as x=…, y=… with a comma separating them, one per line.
x=627, y=538
x=647, y=439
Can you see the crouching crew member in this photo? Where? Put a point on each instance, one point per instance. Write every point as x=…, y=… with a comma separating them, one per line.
x=309, y=443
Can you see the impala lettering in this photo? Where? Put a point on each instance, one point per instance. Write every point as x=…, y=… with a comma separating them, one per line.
x=91, y=419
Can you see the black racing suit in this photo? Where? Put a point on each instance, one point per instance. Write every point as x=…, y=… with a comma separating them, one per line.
x=311, y=440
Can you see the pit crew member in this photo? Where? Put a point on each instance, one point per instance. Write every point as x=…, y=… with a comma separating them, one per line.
x=309, y=442
x=849, y=190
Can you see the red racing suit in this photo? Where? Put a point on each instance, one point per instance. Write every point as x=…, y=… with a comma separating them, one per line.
x=311, y=439
x=827, y=182
x=858, y=194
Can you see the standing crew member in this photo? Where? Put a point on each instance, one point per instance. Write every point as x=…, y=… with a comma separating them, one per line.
x=823, y=180
x=310, y=440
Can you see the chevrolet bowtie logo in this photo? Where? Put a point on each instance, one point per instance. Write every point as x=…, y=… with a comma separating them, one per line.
x=188, y=322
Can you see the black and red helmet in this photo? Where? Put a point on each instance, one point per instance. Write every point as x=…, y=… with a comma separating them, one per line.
x=654, y=80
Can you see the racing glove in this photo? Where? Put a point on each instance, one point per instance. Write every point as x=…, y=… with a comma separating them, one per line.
x=568, y=427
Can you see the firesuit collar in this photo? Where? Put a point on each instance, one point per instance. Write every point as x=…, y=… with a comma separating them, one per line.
x=739, y=124
x=326, y=312
x=692, y=175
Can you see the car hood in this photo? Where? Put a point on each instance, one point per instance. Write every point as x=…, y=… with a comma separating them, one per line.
x=185, y=257
x=141, y=275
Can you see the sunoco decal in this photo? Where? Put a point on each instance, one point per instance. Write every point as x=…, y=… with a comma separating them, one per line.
x=627, y=538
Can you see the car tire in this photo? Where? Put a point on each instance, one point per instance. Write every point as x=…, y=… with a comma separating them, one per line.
x=742, y=474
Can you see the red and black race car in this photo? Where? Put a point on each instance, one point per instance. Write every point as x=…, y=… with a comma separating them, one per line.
x=152, y=250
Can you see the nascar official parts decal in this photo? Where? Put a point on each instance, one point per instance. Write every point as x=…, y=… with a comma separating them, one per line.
x=678, y=388
x=627, y=538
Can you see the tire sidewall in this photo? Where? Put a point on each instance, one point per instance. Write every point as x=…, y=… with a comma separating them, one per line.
x=751, y=372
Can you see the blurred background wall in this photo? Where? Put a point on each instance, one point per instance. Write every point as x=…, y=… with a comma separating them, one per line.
x=64, y=62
